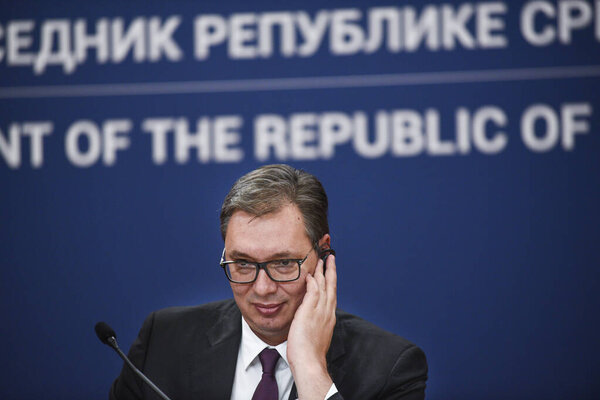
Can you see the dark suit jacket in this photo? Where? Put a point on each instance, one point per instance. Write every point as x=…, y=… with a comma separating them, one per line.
x=191, y=353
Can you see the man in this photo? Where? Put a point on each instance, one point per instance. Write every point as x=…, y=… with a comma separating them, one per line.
x=281, y=337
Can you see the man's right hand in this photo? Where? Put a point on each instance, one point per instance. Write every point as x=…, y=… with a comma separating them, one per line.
x=311, y=332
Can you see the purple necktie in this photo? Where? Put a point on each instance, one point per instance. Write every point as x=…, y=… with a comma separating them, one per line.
x=267, y=387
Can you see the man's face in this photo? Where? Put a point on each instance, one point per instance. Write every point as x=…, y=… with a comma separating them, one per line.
x=267, y=306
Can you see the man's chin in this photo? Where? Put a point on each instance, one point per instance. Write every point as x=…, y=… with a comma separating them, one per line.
x=272, y=330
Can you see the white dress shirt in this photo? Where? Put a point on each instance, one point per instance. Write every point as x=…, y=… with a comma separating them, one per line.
x=248, y=370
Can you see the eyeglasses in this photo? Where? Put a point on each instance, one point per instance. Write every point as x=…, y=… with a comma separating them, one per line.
x=242, y=271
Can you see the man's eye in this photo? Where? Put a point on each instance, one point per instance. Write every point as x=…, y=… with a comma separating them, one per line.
x=281, y=263
x=243, y=264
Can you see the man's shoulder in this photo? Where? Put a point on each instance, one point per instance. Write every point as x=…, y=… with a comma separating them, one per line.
x=204, y=315
x=367, y=361
x=355, y=335
x=207, y=309
x=361, y=330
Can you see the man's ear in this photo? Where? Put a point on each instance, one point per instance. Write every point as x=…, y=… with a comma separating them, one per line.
x=325, y=242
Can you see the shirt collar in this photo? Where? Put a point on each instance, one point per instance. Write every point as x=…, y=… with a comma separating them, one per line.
x=252, y=345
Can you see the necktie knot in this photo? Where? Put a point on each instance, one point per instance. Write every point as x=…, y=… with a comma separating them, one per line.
x=268, y=359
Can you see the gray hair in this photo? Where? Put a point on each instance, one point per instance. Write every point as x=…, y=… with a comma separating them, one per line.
x=268, y=188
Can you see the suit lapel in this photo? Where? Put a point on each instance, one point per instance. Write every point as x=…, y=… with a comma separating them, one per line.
x=214, y=356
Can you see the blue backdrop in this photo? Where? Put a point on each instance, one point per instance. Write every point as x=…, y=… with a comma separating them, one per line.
x=461, y=167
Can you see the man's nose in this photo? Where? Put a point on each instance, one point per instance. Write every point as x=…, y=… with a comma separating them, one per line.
x=263, y=284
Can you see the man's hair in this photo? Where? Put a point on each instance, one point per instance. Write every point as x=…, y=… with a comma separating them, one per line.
x=271, y=187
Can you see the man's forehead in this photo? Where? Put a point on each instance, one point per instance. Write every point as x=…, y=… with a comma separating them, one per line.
x=276, y=234
x=285, y=216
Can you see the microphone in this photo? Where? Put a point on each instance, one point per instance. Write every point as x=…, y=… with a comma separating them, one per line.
x=107, y=335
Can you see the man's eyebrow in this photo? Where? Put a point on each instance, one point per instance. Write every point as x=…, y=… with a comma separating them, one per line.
x=234, y=254
x=237, y=255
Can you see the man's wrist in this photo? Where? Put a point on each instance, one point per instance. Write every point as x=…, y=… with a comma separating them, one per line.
x=312, y=382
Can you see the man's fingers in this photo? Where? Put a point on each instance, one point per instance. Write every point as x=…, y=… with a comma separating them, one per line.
x=311, y=285
x=318, y=278
x=320, y=275
x=321, y=287
x=331, y=272
x=331, y=281
x=312, y=295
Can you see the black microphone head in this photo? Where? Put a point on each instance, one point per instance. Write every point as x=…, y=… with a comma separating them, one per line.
x=104, y=332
